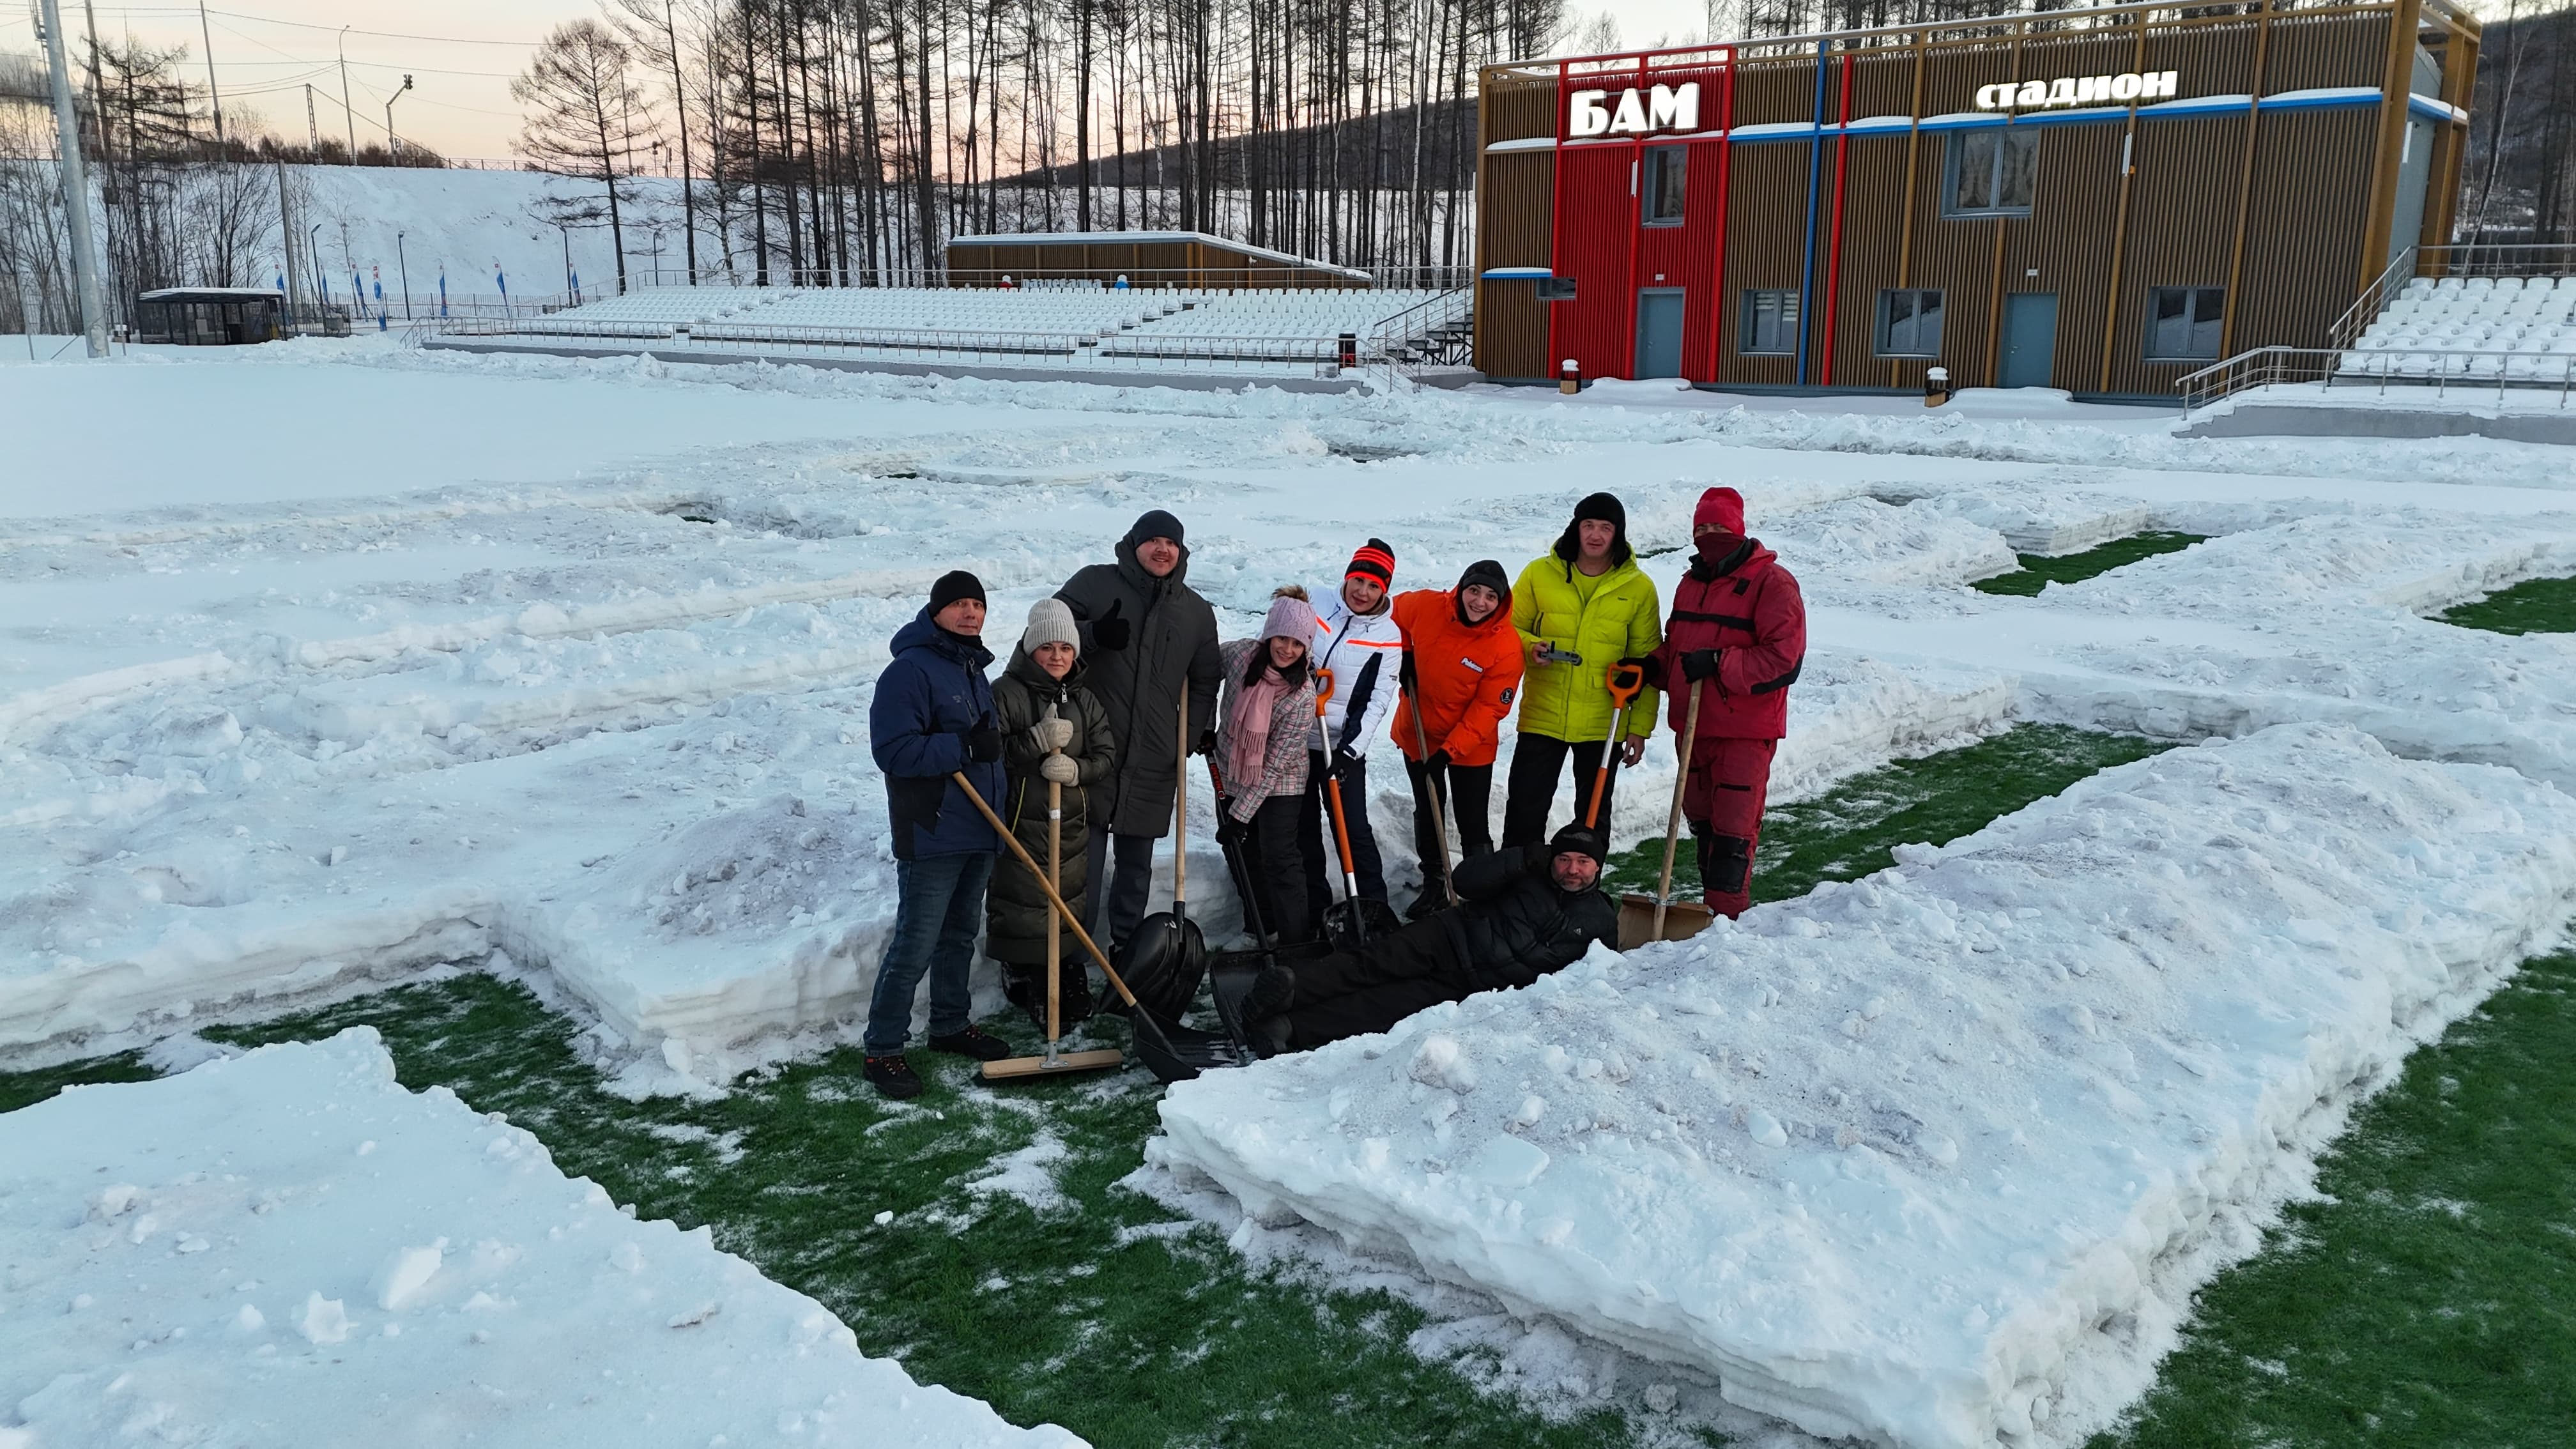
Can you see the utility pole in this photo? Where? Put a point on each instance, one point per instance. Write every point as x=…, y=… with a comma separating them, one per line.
x=75, y=184
x=206, y=31
x=405, y=264
x=312, y=129
x=347, y=114
x=393, y=148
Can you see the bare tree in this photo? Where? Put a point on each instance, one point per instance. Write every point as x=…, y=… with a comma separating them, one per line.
x=587, y=118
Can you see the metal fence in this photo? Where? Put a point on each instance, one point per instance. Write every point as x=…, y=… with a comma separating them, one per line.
x=2330, y=368
x=1054, y=349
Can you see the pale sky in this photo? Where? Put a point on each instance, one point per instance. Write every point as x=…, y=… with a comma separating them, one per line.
x=460, y=102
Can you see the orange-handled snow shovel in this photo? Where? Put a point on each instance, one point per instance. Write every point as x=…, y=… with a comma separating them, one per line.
x=1350, y=920
x=1625, y=682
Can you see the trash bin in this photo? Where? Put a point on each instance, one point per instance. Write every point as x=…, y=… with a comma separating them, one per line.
x=1936, y=387
x=1569, y=377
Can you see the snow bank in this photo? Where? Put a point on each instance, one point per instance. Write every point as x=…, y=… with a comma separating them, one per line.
x=1936, y=1158
x=288, y=1248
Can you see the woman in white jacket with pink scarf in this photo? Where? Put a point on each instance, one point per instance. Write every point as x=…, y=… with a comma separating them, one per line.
x=1269, y=709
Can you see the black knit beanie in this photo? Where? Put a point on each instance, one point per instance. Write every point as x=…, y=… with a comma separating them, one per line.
x=1579, y=841
x=1489, y=573
x=954, y=585
x=1155, y=524
x=1569, y=545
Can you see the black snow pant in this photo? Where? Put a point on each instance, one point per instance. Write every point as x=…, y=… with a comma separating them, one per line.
x=1114, y=899
x=1354, y=993
x=1537, y=760
x=1315, y=835
x=1271, y=859
x=1467, y=791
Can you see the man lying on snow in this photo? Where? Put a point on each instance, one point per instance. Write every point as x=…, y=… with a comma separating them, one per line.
x=1523, y=913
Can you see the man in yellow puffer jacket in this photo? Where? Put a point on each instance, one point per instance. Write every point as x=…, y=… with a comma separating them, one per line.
x=1586, y=597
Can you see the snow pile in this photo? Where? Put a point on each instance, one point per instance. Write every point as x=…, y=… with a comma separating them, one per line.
x=1862, y=540
x=288, y=1248
x=1936, y=1158
x=2054, y=513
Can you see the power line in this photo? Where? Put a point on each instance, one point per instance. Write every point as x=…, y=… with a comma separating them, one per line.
x=157, y=10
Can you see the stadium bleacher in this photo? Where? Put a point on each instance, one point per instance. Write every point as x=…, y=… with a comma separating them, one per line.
x=2489, y=328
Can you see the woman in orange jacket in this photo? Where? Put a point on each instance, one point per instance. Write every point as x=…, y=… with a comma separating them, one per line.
x=1462, y=669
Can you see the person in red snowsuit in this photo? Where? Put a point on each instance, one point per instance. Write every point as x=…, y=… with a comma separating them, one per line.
x=1738, y=636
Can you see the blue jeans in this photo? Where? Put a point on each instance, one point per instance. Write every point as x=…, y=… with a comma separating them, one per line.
x=939, y=906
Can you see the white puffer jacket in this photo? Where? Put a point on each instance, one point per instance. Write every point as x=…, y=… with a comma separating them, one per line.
x=1364, y=651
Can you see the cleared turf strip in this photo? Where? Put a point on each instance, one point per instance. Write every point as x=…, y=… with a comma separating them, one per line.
x=2429, y=1300
x=2534, y=606
x=2038, y=571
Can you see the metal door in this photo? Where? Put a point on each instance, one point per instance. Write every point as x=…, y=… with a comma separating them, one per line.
x=2030, y=339
x=1659, y=332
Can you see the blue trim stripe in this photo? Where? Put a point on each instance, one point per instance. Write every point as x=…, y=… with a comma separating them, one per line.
x=1513, y=274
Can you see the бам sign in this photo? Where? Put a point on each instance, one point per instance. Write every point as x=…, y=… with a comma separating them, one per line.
x=1664, y=108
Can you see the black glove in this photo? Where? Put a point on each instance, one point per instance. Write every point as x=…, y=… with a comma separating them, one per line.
x=1206, y=745
x=1344, y=761
x=1435, y=762
x=1109, y=632
x=1405, y=675
x=1699, y=664
x=984, y=742
x=1648, y=668
x=1228, y=829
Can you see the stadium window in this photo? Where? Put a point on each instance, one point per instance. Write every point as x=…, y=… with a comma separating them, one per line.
x=2184, y=323
x=1770, y=322
x=1993, y=171
x=1556, y=289
x=1667, y=171
x=1909, y=322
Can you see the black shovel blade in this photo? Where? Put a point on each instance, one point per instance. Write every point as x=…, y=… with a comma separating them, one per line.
x=1180, y=1053
x=1164, y=962
x=1344, y=920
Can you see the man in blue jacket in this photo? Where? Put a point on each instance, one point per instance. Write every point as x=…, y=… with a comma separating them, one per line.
x=933, y=717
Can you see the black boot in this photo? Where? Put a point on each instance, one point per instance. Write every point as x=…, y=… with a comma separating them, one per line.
x=893, y=1077
x=974, y=1042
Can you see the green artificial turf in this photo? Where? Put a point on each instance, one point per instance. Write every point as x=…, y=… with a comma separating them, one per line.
x=2429, y=1296
x=2432, y=1293
x=2038, y=571
x=1854, y=828
x=2534, y=606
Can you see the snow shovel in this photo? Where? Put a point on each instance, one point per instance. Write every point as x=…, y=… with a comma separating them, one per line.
x=1054, y=1063
x=1167, y=957
x=1643, y=918
x=1625, y=682
x=1173, y=1054
x=1349, y=921
x=1439, y=812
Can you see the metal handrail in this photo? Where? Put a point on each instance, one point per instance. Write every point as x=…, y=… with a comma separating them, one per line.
x=1115, y=349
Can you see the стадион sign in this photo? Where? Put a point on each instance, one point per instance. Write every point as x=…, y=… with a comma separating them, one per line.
x=2071, y=90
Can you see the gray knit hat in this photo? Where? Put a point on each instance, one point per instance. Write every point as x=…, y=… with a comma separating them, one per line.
x=1050, y=622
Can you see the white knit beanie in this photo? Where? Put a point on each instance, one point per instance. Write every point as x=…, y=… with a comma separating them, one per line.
x=1050, y=622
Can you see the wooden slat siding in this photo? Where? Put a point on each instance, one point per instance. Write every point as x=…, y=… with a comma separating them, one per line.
x=2066, y=237
x=2183, y=166
x=2310, y=52
x=2297, y=275
x=1515, y=108
x=1872, y=254
x=1512, y=231
x=1766, y=225
x=1774, y=89
x=1957, y=257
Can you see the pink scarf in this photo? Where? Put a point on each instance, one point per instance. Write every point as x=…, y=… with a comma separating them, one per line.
x=1253, y=703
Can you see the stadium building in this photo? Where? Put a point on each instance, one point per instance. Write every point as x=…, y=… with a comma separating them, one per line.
x=2101, y=200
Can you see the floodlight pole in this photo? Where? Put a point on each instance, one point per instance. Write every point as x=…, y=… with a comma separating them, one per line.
x=405, y=265
x=75, y=178
x=204, y=29
x=393, y=147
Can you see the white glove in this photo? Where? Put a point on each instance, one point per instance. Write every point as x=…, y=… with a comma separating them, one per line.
x=1052, y=734
x=1059, y=768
